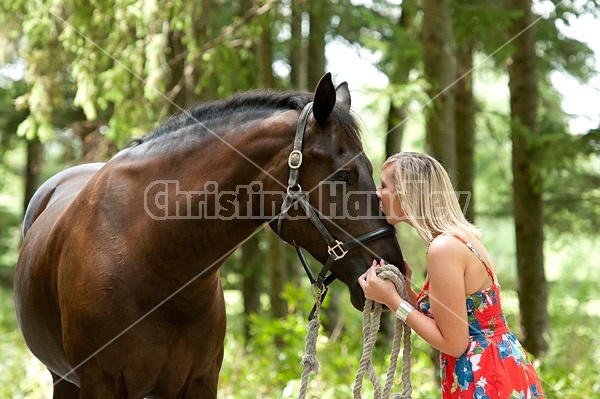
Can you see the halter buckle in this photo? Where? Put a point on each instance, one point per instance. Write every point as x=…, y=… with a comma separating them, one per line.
x=338, y=246
x=295, y=159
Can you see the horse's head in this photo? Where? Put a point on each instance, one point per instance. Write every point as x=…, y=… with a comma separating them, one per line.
x=331, y=208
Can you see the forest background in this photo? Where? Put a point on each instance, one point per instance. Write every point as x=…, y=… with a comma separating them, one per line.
x=468, y=81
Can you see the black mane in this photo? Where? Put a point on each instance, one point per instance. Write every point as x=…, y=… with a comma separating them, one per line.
x=242, y=102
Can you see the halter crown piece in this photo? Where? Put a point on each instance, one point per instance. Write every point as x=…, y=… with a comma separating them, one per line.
x=294, y=194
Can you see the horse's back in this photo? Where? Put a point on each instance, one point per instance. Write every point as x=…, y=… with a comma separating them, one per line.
x=64, y=185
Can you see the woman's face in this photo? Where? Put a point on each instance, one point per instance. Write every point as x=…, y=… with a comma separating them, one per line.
x=390, y=202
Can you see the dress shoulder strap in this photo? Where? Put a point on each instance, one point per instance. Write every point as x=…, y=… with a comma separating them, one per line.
x=472, y=248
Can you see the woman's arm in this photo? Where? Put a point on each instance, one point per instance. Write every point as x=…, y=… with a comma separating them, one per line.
x=449, y=331
x=446, y=269
x=412, y=295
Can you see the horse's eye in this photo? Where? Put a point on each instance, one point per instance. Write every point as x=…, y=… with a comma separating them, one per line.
x=343, y=176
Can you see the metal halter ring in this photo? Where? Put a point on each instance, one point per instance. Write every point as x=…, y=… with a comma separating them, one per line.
x=294, y=190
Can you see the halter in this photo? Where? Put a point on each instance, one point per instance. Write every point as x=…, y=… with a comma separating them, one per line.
x=335, y=248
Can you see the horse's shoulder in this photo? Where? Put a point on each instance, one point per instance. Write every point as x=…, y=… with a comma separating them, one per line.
x=64, y=184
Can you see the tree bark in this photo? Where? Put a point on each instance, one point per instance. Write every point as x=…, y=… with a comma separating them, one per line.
x=465, y=130
x=265, y=54
x=33, y=169
x=527, y=202
x=277, y=278
x=297, y=48
x=252, y=260
x=319, y=15
x=202, y=14
x=395, y=129
x=440, y=72
x=175, y=53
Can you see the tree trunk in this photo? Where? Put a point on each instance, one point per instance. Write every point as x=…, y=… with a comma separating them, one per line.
x=319, y=15
x=193, y=62
x=465, y=130
x=297, y=47
x=175, y=53
x=395, y=129
x=440, y=72
x=277, y=278
x=33, y=169
x=95, y=147
x=527, y=202
x=265, y=54
x=252, y=260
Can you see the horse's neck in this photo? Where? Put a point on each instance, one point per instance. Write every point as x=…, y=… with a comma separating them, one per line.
x=256, y=156
x=205, y=186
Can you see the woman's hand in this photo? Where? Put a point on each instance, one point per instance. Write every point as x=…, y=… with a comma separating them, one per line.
x=377, y=289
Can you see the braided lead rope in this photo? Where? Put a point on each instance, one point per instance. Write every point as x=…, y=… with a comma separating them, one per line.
x=309, y=363
x=371, y=322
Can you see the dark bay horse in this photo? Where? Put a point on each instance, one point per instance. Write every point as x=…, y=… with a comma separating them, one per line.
x=117, y=286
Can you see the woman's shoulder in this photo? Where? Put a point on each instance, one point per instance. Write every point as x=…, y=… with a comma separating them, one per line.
x=445, y=248
x=446, y=263
x=444, y=242
x=457, y=248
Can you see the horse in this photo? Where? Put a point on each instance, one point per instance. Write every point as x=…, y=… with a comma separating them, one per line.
x=117, y=288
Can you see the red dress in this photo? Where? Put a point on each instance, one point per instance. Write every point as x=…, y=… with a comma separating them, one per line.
x=495, y=365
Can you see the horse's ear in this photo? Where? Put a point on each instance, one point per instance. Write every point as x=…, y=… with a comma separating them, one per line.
x=342, y=95
x=324, y=100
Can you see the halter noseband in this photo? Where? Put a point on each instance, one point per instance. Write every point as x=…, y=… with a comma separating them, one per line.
x=335, y=248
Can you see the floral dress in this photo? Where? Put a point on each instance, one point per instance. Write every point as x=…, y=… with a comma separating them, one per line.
x=495, y=365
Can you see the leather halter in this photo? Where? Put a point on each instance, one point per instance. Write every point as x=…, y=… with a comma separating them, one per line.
x=335, y=248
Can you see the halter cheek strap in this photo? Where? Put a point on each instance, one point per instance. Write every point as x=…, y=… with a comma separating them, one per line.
x=294, y=194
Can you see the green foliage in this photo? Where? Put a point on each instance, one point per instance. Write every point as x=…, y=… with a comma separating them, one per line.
x=21, y=375
x=570, y=368
x=117, y=62
x=572, y=202
x=269, y=366
x=10, y=211
x=8, y=250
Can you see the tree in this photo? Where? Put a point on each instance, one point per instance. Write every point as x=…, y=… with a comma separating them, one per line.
x=319, y=14
x=465, y=110
x=252, y=269
x=398, y=70
x=297, y=47
x=440, y=71
x=527, y=200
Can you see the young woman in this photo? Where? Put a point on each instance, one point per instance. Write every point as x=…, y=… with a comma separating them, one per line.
x=458, y=309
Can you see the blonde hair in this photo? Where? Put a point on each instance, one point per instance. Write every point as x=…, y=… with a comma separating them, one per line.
x=427, y=196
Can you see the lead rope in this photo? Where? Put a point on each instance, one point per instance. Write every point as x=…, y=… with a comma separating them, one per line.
x=371, y=322
x=309, y=363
